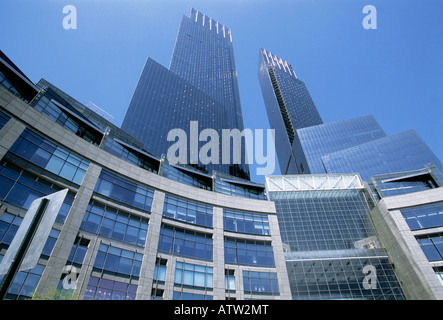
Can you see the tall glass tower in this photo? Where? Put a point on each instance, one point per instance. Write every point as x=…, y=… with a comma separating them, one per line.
x=306, y=145
x=204, y=56
x=289, y=107
x=200, y=85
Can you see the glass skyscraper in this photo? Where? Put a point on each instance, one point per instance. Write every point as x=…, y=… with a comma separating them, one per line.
x=200, y=85
x=307, y=145
x=403, y=151
x=289, y=107
x=317, y=141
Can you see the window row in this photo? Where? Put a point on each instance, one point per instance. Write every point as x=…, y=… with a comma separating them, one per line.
x=432, y=246
x=186, y=243
x=422, y=217
x=238, y=190
x=124, y=191
x=189, y=179
x=49, y=108
x=104, y=289
x=191, y=276
x=245, y=222
x=20, y=188
x=129, y=155
x=49, y=156
x=249, y=252
x=265, y=283
x=118, y=261
x=188, y=211
x=113, y=223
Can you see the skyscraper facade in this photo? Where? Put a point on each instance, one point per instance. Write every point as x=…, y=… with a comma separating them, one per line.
x=289, y=107
x=321, y=140
x=403, y=151
x=200, y=85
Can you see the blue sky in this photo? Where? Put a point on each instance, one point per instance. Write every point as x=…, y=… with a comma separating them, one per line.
x=394, y=72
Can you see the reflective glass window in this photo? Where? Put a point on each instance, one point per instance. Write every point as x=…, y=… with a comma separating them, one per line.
x=245, y=222
x=125, y=191
x=20, y=188
x=249, y=252
x=49, y=156
x=186, y=243
x=190, y=275
x=187, y=211
x=116, y=224
x=264, y=283
x=423, y=217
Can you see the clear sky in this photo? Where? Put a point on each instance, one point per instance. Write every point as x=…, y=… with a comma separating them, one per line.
x=394, y=72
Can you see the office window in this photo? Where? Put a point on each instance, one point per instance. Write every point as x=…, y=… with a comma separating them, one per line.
x=20, y=188
x=187, y=211
x=186, y=243
x=49, y=156
x=230, y=280
x=104, y=289
x=249, y=252
x=9, y=224
x=263, y=283
x=120, y=262
x=423, y=217
x=432, y=246
x=24, y=283
x=193, y=276
x=160, y=270
x=115, y=224
x=245, y=222
x=125, y=191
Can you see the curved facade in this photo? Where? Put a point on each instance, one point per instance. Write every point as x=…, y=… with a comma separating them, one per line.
x=124, y=230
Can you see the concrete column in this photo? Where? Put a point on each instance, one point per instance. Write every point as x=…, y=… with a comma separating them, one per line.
x=279, y=258
x=218, y=252
x=150, y=253
x=57, y=261
x=169, y=278
x=88, y=264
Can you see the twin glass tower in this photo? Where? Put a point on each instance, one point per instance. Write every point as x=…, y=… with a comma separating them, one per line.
x=199, y=86
x=306, y=145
